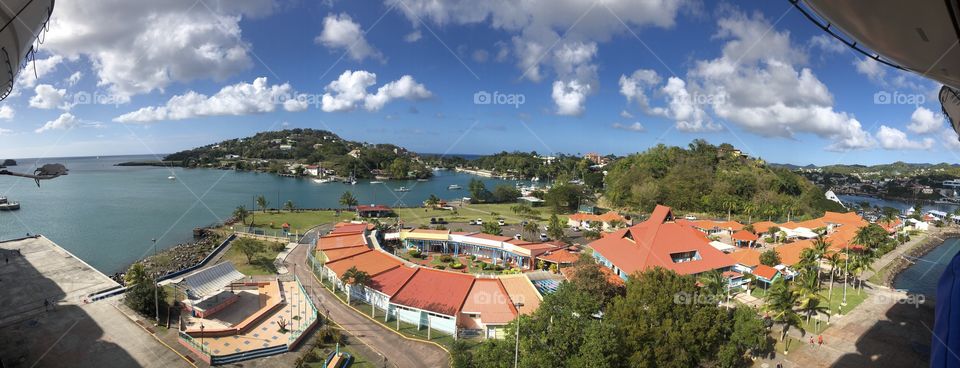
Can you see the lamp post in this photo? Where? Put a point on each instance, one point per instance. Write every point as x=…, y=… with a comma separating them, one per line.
x=516, y=348
x=156, y=288
x=201, y=337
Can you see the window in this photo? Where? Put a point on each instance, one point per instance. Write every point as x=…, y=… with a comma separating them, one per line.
x=685, y=256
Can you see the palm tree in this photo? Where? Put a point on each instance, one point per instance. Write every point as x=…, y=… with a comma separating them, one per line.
x=532, y=229
x=289, y=206
x=241, y=213
x=355, y=277
x=347, y=200
x=713, y=283
x=432, y=201
x=262, y=203
x=811, y=304
x=136, y=274
x=820, y=248
x=834, y=259
x=780, y=302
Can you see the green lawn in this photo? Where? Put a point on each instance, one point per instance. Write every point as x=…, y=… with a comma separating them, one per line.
x=488, y=212
x=300, y=221
x=359, y=361
x=261, y=263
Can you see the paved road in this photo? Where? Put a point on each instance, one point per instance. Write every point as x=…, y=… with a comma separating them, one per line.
x=398, y=350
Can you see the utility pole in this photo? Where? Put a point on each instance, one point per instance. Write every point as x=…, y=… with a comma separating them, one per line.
x=516, y=348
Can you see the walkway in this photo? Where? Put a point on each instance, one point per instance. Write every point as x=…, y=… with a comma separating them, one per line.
x=397, y=349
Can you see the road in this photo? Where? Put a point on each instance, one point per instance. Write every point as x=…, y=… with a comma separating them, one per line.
x=398, y=350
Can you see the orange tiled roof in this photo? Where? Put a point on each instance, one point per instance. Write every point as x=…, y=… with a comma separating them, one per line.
x=488, y=298
x=746, y=257
x=392, y=280
x=744, y=235
x=521, y=290
x=711, y=224
x=763, y=226
x=766, y=272
x=373, y=263
x=340, y=253
x=435, y=291
x=790, y=253
x=606, y=217
x=651, y=244
x=560, y=256
x=345, y=240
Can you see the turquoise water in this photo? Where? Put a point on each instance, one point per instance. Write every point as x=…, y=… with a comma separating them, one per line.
x=922, y=276
x=107, y=215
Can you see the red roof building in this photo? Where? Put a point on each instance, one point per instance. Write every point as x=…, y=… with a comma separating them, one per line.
x=744, y=238
x=435, y=291
x=659, y=242
x=766, y=273
x=374, y=211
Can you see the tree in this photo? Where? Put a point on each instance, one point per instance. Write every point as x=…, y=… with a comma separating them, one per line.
x=140, y=298
x=347, y=200
x=354, y=277
x=492, y=228
x=774, y=232
x=478, y=190
x=780, y=301
x=432, y=201
x=248, y=247
x=749, y=336
x=532, y=229
x=563, y=198
x=262, y=203
x=136, y=274
x=289, y=206
x=713, y=283
x=586, y=276
x=555, y=227
x=503, y=193
x=241, y=214
x=770, y=258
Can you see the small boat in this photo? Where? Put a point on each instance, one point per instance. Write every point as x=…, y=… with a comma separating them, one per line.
x=376, y=182
x=323, y=180
x=454, y=187
x=421, y=179
x=171, y=177
x=7, y=205
x=402, y=189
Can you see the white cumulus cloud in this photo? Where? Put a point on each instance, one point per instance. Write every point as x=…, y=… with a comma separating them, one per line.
x=895, y=139
x=237, y=99
x=635, y=127
x=349, y=91
x=341, y=32
x=6, y=112
x=48, y=97
x=924, y=121
x=63, y=122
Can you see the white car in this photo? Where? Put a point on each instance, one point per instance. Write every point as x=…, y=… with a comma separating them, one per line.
x=576, y=229
x=544, y=237
x=479, y=221
x=501, y=222
x=690, y=217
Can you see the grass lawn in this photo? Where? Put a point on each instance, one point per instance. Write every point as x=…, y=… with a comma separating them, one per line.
x=261, y=263
x=300, y=221
x=853, y=298
x=359, y=361
x=488, y=212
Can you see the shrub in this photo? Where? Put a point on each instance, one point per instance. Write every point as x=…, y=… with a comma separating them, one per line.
x=473, y=257
x=483, y=265
x=440, y=267
x=446, y=258
x=414, y=253
x=457, y=266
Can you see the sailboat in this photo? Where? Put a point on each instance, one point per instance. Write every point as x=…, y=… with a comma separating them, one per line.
x=322, y=178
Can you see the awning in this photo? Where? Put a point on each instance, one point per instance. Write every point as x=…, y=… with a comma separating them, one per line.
x=723, y=247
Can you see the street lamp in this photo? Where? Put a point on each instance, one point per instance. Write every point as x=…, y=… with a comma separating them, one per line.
x=516, y=348
x=201, y=337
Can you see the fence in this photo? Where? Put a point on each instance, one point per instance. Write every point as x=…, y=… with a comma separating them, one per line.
x=312, y=317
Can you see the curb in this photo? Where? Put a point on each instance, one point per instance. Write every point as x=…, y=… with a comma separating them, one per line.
x=154, y=336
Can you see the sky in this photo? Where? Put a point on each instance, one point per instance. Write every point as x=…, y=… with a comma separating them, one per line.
x=554, y=76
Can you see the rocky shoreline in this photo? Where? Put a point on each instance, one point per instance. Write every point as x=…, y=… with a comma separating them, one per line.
x=926, y=245
x=180, y=256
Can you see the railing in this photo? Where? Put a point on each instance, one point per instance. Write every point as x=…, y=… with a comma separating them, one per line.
x=311, y=317
x=189, y=339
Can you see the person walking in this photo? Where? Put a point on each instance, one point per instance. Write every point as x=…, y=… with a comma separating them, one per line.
x=820, y=340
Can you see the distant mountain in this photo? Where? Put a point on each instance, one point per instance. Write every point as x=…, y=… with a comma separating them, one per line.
x=898, y=168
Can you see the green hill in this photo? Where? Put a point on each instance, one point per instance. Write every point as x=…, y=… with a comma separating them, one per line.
x=711, y=179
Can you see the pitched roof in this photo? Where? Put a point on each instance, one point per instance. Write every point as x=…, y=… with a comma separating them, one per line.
x=746, y=257
x=766, y=272
x=606, y=217
x=560, y=256
x=392, y=280
x=373, y=207
x=347, y=228
x=521, y=290
x=790, y=253
x=436, y=291
x=488, y=298
x=491, y=237
x=346, y=240
x=711, y=224
x=744, y=235
x=763, y=226
x=373, y=263
x=653, y=242
x=339, y=253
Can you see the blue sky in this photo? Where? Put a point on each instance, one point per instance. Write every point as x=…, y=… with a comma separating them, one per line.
x=616, y=77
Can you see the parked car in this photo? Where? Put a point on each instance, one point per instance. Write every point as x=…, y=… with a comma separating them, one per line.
x=690, y=217
x=441, y=221
x=479, y=221
x=544, y=237
x=473, y=222
x=433, y=220
x=518, y=236
x=501, y=222
x=576, y=229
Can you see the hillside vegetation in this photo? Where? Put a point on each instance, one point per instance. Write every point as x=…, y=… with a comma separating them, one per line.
x=711, y=179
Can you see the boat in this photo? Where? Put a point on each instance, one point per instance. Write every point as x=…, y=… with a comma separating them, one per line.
x=171, y=177
x=376, y=182
x=323, y=180
x=454, y=187
x=421, y=179
x=402, y=189
x=7, y=205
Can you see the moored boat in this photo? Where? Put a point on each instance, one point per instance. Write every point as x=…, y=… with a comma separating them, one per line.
x=6, y=205
x=454, y=187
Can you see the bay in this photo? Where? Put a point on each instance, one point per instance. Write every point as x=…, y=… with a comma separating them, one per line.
x=107, y=215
